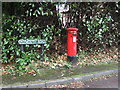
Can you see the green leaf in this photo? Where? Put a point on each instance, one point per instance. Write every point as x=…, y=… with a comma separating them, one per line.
x=38, y=56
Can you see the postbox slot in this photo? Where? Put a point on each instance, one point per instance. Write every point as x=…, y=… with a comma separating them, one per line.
x=74, y=34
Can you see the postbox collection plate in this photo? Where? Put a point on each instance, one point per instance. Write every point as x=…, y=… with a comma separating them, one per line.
x=74, y=39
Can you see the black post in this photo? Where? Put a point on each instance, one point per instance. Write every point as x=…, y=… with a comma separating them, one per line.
x=42, y=52
x=22, y=48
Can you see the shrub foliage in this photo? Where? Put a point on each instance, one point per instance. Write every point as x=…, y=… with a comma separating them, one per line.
x=97, y=24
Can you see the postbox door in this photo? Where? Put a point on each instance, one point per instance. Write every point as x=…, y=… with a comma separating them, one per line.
x=72, y=37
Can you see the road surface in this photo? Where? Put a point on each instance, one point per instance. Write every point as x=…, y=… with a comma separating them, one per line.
x=103, y=82
x=110, y=81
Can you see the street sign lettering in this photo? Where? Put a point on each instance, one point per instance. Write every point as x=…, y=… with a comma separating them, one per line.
x=27, y=41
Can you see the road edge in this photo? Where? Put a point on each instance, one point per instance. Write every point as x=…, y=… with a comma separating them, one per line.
x=66, y=80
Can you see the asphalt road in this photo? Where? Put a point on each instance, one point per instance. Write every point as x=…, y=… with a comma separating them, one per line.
x=103, y=82
x=110, y=81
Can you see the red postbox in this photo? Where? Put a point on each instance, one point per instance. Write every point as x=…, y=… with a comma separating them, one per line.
x=72, y=44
